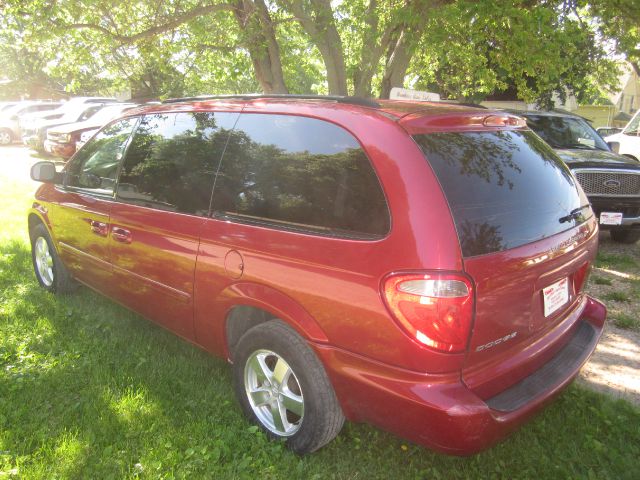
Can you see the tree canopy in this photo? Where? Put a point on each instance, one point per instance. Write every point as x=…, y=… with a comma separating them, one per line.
x=464, y=49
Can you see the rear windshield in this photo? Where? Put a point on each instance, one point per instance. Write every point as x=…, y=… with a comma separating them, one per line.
x=505, y=188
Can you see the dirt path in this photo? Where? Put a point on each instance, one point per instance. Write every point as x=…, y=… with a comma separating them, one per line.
x=615, y=366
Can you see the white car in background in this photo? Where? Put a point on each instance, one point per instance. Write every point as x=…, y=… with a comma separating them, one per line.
x=628, y=140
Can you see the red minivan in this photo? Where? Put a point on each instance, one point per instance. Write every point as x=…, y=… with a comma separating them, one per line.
x=417, y=266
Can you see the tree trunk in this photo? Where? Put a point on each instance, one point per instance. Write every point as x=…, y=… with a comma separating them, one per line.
x=396, y=68
x=260, y=40
x=321, y=27
x=370, y=53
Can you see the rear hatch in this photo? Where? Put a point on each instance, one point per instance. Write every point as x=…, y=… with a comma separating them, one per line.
x=527, y=236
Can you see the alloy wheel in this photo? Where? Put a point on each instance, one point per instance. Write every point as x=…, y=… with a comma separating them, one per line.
x=44, y=261
x=274, y=392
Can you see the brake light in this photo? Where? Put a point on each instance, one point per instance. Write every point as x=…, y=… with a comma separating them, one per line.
x=580, y=277
x=435, y=309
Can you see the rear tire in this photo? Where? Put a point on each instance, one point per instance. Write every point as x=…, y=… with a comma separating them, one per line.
x=625, y=235
x=282, y=386
x=51, y=273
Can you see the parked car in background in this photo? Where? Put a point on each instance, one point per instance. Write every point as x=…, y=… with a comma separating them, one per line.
x=34, y=135
x=416, y=266
x=85, y=137
x=5, y=105
x=10, y=130
x=605, y=131
x=61, y=140
x=628, y=141
x=611, y=181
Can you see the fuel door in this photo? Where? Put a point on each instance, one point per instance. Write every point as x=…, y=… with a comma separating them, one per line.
x=234, y=264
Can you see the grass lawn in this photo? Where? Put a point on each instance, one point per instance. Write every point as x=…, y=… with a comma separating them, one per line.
x=91, y=390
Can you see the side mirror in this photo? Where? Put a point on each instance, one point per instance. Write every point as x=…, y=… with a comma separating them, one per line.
x=614, y=146
x=44, y=172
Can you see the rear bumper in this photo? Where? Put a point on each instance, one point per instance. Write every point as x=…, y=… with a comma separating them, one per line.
x=629, y=207
x=439, y=411
x=627, y=221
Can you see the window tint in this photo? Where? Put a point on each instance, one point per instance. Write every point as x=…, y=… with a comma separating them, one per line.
x=505, y=188
x=173, y=159
x=302, y=174
x=95, y=166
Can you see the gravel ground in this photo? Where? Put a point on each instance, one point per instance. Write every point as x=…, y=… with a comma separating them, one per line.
x=615, y=366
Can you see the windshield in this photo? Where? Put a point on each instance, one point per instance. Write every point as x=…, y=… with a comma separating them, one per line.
x=107, y=113
x=633, y=127
x=504, y=188
x=79, y=113
x=566, y=132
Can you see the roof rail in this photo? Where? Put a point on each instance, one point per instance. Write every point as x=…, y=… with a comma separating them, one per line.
x=364, y=102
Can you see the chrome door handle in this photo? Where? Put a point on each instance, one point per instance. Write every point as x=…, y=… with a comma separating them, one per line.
x=121, y=235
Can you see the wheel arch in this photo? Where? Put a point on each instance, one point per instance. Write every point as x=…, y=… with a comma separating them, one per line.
x=38, y=216
x=251, y=304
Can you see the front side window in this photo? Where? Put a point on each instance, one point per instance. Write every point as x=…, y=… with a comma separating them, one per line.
x=300, y=174
x=95, y=166
x=172, y=160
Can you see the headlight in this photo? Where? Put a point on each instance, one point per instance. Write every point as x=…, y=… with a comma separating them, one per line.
x=66, y=138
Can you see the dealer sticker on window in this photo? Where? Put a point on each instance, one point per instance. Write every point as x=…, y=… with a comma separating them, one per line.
x=610, y=218
x=555, y=296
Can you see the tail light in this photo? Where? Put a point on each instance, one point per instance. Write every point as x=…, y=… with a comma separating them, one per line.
x=580, y=277
x=435, y=309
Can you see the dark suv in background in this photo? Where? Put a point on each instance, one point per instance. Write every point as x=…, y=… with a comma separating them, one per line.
x=611, y=181
x=416, y=266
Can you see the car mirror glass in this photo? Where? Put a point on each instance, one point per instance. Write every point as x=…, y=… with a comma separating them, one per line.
x=44, y=172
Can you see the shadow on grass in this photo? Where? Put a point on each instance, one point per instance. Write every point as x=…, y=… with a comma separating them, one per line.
x=91, y=390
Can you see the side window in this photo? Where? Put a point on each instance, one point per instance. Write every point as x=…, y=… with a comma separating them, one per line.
x=95, y=166
x=172, y=160
x=299, y=173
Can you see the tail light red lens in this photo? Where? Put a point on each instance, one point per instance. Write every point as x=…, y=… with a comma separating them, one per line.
x=581, y=276
x=435, y=309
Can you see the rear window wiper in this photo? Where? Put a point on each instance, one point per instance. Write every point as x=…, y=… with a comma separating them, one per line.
x=574, y=214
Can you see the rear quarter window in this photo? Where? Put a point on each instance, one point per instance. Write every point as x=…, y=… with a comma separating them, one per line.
x=302, y=174
x=505, y=188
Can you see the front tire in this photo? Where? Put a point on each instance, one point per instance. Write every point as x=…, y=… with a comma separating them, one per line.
x=52, y=275
x=282, y=386
x=625, y=235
